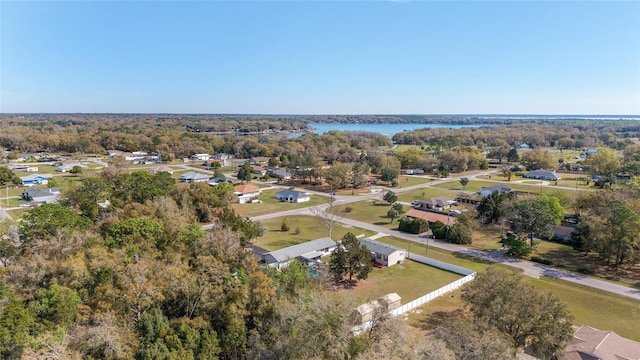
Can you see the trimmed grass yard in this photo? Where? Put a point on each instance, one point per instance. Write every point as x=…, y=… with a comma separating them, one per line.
x=408, y=180
x=310, y=229
x=410, y=280
x=371, y=211
x=271, y=205
x=475, y=185
x=589, y=306
x=425, y=193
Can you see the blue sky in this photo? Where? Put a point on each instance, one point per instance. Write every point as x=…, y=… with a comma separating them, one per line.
x=304, y=57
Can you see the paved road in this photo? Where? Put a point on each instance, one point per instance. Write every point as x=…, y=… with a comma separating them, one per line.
x=529, y=268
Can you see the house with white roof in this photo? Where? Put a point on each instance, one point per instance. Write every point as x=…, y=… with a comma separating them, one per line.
x=486, y=191
x=194, y=177
x=308, y=252
x=292, y=196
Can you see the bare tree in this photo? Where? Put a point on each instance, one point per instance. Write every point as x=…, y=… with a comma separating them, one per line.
x=327, y=215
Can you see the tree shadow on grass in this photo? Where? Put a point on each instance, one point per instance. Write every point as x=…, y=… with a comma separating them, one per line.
x=474, y=259
x=438, y=319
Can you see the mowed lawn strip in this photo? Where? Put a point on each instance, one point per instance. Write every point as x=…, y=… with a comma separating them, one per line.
x=370, y=211
x=310, y=229
x=410, y=280
x=589, y=306
x=425, y=193
x=475, y=185
x=271, y=205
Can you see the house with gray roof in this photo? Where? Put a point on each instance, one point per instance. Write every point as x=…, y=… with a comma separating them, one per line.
x=292, y=196
x=384, y=254
x=486, y=191
x=307, y=252
x=542, y=175
x=194, y=177
x=41, y=196
x=439, y=203
x=591, y=343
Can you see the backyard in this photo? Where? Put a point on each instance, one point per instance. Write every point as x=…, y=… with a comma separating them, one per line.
x=301, y=229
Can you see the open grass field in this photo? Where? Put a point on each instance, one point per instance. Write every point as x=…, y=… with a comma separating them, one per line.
x=590, y=306
x=310, y=228
x=475, y=185
x=271, y=205
x=425, y=193
x=408, y=180
x=410, y=280
x=371, y=211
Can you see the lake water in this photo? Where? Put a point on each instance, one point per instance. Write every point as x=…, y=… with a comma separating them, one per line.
x=384, y=129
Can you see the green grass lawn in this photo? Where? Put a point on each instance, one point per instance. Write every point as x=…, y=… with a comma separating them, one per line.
x=310, y=228
x=407, y=180
x=370, y=211
x=410, y=280
x=270, y=204
x=475, y=185
x=425, y=193
x=590, y=306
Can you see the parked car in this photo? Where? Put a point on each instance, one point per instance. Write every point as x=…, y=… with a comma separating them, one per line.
x=415, y=203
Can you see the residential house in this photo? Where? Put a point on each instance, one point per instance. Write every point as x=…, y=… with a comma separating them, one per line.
x=35, y=179
x=593, y=344
x=411, y=171
x=246, y=193
x=590, y=152
x=68, y=166
x=439, y=203
x=200, y=157
x=27, y=168
x=259, y=160
x=281, y=174
x=159, y=169
x=219, y=180
x=486, y=191
x=431, y=217
x=41, y=196
x=307, y=252
x=542, y=175
x=259, y=170
x=384, y=254
x=194, y=177
x=562, y=233
x=292, y=196
x=113, y=153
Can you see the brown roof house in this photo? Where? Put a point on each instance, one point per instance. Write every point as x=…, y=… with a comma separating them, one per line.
x=592, y=344
x=247, y=193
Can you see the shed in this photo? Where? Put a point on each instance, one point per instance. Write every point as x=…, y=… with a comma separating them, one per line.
x=390, y=301
x=364, y=312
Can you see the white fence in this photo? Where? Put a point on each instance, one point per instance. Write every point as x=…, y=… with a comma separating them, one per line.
x=432, y=295
x=419, y=301
x=469, y=276
x=439, y=264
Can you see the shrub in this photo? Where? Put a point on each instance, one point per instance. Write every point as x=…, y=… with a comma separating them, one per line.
x=284, y=227
x=413, y=226
x=541, y=260
x=585, y=270
x=348, y=209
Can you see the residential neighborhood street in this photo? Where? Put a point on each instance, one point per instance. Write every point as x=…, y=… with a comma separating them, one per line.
x=529, y=268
